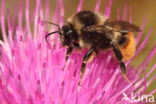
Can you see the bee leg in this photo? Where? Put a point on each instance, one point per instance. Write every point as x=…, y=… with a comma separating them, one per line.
x=88, y=56
x=120, y=57
x=69, y=50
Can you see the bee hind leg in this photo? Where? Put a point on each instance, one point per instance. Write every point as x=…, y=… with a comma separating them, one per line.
x=121, y=63
x=87, y=57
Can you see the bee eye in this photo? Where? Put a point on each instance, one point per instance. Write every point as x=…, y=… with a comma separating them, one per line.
x=69, y=32
x=65, y=28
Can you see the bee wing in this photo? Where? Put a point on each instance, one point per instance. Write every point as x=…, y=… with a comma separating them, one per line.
x=98, y=28
x=123, y=26
x=119, y=26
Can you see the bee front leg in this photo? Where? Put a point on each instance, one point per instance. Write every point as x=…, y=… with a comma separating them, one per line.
x=69, y=51
x=120, y=57
x=88, y=57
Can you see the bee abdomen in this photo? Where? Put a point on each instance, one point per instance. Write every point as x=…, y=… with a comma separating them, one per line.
x=129, y=50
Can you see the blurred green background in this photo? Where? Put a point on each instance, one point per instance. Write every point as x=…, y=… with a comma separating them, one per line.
x=140, y=10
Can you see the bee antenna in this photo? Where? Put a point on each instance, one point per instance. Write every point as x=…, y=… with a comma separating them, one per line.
x=46, y=37
x=53, y=24
x=54, y=31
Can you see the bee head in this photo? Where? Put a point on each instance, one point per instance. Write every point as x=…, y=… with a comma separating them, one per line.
x=67, y=35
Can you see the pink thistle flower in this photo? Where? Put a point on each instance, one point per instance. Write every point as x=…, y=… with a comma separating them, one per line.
x=31, y=70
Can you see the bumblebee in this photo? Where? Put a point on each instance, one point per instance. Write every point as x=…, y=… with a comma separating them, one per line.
x=92, y=30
